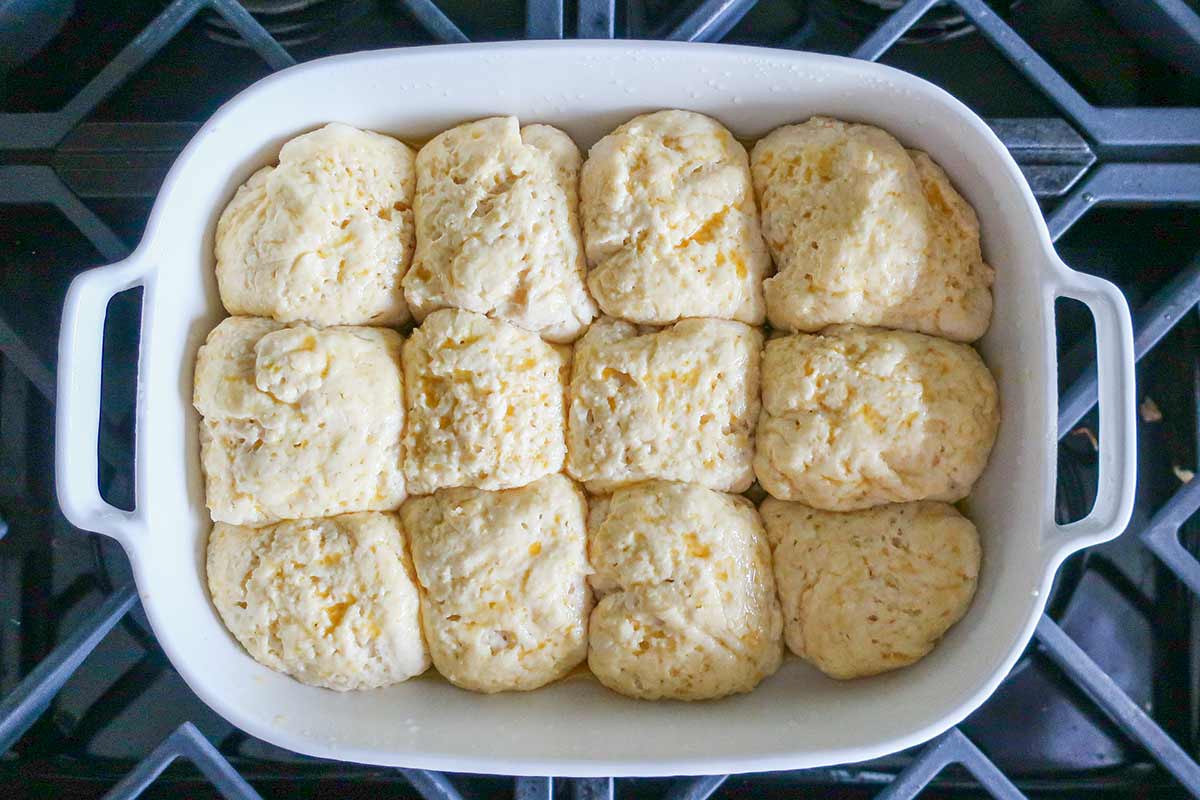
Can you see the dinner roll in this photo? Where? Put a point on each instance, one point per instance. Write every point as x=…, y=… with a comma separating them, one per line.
x=865, y=592
x=497, y=228
x=679, y=404
x=299, y=422
x=670, y=222
x=953, y=294
x=504, y=595
x=857, y=417
x=325, y=236
x=485, y=404
x=865, y=232
x=331, y=602
x=686, y=605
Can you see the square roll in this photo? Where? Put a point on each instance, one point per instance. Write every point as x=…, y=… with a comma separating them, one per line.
x=686, y=605
x=864, y=592
x=858, y=417
x=504, y=595
x=678, y=404
x=498, y=230
x=486, y=404
x=863, y=231
x=299, y=422
x=325, y=236
x=332, y=602
x=670, y=222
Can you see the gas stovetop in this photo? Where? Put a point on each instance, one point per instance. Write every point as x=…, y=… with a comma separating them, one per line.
x=1099, y=100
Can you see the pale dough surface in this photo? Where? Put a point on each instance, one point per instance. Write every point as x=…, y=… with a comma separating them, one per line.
x=864, y=592
x=498, y=228
x=486, y=403
x=503, y=576
x=299, y=422
x=670, y=222
x=856, y=417
x=325, y=236
x=686, y=606
x=863, y=231
x=678, y=404
x=331, y=602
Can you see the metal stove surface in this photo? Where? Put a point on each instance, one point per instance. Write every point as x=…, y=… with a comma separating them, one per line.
x=97, y=98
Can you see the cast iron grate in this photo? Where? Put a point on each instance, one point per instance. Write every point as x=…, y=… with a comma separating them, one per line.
x=1126, y=156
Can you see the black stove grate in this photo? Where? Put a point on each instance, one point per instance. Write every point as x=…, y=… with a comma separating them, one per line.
x=1093, y=156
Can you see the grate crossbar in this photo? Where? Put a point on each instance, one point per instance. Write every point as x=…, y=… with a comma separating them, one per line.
x=596, y=19
x=543, y=19
x=1112, y=700
x=32, y=696
x=40, y=184
x=952, y=747
x=431, y=785
x=1127, y=184
x=44, y=130
x=710, y=21
x=252, y=33
x=1155, y=132
x=185, y=742
x=431, y=18
x=895, y=26
x=1161, y=536
x=700, y=788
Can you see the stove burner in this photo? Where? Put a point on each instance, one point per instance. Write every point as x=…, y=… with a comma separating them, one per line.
x=942, y=23
x=290, y=22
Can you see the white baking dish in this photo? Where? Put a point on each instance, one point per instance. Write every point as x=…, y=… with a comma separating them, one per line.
x=798, y=718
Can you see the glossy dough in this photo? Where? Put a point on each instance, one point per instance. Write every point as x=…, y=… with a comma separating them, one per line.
x=497, y=228
x=504, y=595
x=865, y=592
x=325, y=236
x=331, y=602
x=865, y=232
x=670, y=222
x=486, y=404
x=678, y=404
x=299, y=422
x=857, y=417
x=686, y=605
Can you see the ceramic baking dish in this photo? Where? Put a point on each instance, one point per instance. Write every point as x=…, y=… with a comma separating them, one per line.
x=798, y=718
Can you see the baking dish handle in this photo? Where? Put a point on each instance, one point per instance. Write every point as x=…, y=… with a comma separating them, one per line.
x=1116, y=382
x=80, y=352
